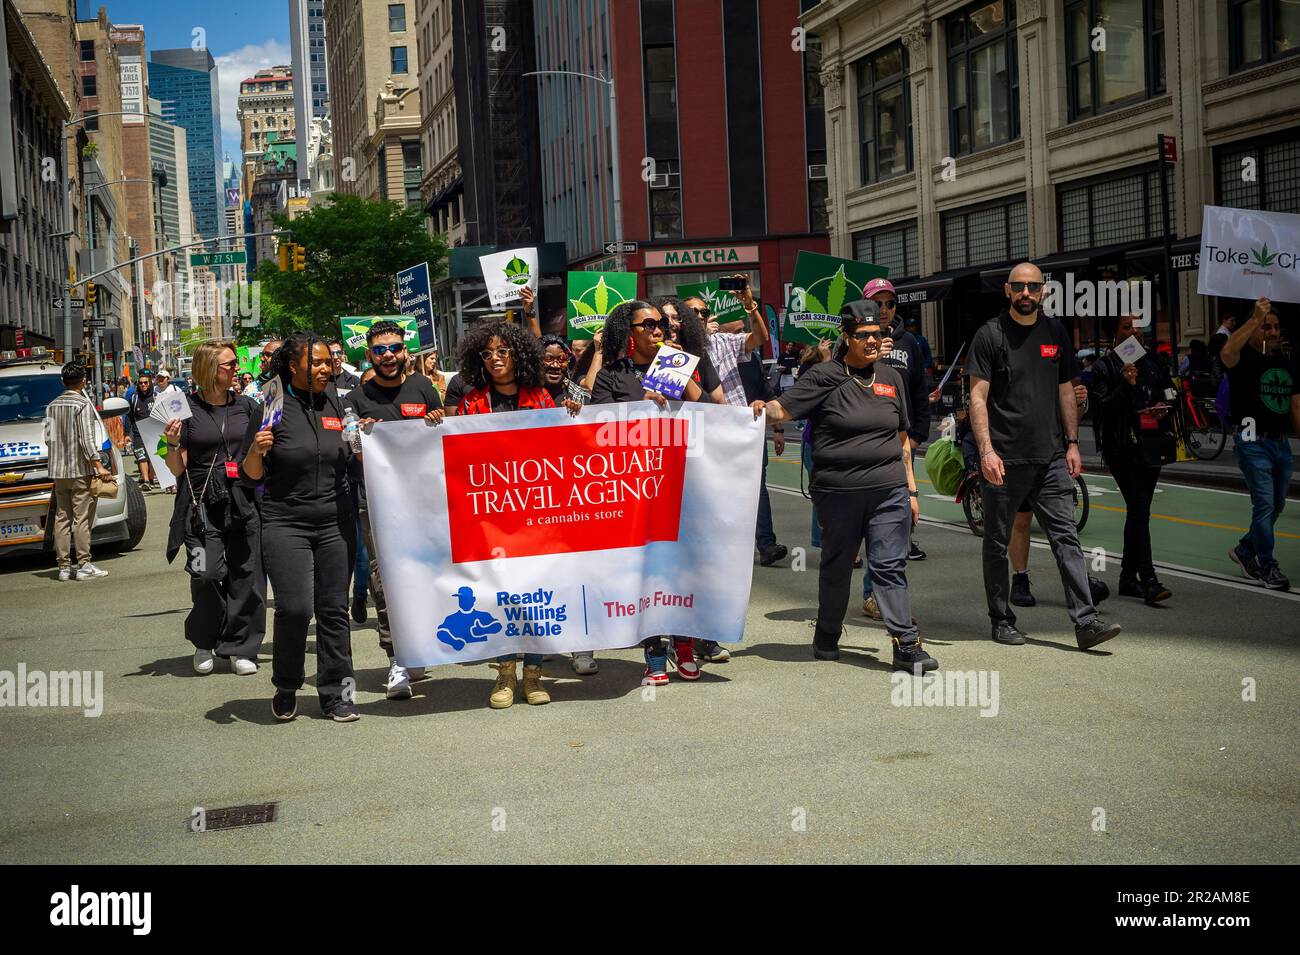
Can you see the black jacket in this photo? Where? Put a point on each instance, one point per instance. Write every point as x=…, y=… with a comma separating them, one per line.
x=1115, y=403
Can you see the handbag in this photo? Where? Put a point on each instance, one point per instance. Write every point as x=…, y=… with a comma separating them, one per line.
x=103, y=487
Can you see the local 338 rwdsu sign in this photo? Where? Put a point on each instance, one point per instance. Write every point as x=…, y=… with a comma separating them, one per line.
x=534, y=531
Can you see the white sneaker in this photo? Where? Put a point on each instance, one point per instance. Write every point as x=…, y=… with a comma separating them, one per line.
x=399, y=683
x=66, y=573
x=584, y=664
x=203, y=661
x=243, y=666
x=89, y=571
x=415, y=673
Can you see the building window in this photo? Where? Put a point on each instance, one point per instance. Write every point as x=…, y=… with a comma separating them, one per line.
x=893, y=246
x=398, y=59
x=1262, y=30
x=92, y=121
x=88, y=87
x=985, y=235
x=87, y=50
x=1113, y=210
x=983, y=78
x=1276, y=186
x=1114, y=52
x=884, y=115
x=660, y=70
x=397, y=18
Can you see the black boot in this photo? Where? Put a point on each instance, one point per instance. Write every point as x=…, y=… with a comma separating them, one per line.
x=824, y=647
x=912, y=657
x=1020, y=595
x=1153, y=591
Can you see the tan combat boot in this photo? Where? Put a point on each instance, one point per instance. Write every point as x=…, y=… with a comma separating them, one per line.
x=533, y=691
x=503, y=694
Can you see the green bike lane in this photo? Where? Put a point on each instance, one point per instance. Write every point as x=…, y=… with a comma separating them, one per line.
x=1192, y=528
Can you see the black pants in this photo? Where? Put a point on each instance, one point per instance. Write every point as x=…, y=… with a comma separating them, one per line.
x=310, y=566
x=1137, y=483
x=227, y=586
x=1049, y=489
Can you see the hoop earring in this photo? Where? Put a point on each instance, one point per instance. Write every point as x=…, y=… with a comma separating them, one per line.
x=631, y=347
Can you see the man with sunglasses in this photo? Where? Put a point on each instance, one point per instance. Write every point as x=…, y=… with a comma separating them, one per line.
x=254, y=389
x=392, y=394
x=1025, y=419
x=343, y=380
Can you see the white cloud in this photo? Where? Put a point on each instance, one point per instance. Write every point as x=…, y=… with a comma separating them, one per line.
x=235, y=67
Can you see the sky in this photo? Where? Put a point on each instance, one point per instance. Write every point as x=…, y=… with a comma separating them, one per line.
x=243, y=37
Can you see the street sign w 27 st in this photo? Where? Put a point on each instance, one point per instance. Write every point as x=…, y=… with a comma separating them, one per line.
x=218, y=258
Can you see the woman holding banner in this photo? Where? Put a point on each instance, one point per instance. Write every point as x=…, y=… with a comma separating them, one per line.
x=862, y=481
x=309, y=523
x=632, y=336
x=502, y=365
x=215, y=517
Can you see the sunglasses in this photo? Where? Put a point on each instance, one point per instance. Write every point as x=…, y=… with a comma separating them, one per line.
x=662, y=325
x=380, y=350
x=888, y=303
x=1019, y=287
x=488, y=354
x=336, y=354
x=234, y=363
x=867, y=336
x=702, y=312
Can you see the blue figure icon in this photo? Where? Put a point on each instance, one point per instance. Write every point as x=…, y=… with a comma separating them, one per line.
x=467, y=625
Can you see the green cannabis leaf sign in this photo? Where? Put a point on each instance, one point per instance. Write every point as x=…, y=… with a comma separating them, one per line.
x=354, y=334
x=725, y=306
x=1263, y=257
x=517, y=271
x=823, y=285
x=592, y=296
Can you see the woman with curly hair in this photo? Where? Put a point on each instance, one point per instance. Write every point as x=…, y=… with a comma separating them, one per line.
x=309, y=524
x=690, y=335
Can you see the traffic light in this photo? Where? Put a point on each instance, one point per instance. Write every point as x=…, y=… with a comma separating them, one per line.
x=90, y=295
x=284, y=252
x=299, y=258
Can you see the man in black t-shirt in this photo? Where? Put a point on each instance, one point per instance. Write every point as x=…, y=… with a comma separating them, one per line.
x=1023, y=414
x=391, y=395
x=344, y=381
x=1264, y=390
x=141, y=407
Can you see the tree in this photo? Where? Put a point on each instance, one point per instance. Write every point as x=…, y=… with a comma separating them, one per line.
x=355, y=248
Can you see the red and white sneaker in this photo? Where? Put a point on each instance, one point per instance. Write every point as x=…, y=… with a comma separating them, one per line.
x=656, y=669
x=682, y=653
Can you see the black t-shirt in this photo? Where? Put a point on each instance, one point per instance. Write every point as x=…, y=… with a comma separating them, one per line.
x=457, y=389
x=308, y=475
x=1025, y=367
x=141, y=405
x=707, y=376
x=1260, y=386
x=908, y=358
x=855, y=415
x=345, y=380
x=413, y=398
x=215, y=432
x=621, y=381
x=502, y=402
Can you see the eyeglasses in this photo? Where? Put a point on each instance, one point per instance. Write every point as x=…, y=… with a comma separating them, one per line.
x=867, y=336
x=559, y=361
x=233, y=363
x=266, y=355
x=888, y=303
x=702, y=312
x=1019, y=287
x=661, y=324
x=488, y=354
x=380, y=350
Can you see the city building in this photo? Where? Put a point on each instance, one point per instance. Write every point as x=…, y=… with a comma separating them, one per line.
x=265, y=108
x=374, y=98
x=232, y=208
x=186, y=82
x=311, y=92
x=720, y=138
x=275, y=183
x=173, y=218
x=965, y=137
x=442, y=187
x=33, y=260
x=320, y=159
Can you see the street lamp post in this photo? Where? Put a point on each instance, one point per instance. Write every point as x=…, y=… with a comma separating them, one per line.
x=620, y=261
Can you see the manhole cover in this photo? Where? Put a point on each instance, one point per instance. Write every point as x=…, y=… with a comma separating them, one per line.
x=233, y=817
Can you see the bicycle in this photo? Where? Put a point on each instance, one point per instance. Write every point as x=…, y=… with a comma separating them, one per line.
x=970, y=495
x=1197, y=421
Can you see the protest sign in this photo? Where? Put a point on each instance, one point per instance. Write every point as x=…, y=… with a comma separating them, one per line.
x=505, y=273
x=155, y=445
x=354, y=329
x=1248, y=254
x=725, y=306
x=539, y=532
x=592, y=296
x=822, y=286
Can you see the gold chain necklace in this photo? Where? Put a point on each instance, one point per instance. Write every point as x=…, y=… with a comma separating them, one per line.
x=865, y=385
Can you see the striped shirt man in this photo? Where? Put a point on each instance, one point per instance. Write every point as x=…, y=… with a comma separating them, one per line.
x=71, y=438
x=725, y=351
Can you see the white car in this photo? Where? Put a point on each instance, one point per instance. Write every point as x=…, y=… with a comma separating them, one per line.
x=27, y=386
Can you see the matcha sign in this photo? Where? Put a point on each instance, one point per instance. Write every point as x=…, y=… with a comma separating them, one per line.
x=354, y=330
x=822, y=286
x=724, y=306
x=592, y=296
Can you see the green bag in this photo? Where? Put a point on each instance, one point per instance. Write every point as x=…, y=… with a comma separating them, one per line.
x=945, y=466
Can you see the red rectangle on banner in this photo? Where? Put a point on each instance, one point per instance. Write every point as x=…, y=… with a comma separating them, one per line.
x=564, y=489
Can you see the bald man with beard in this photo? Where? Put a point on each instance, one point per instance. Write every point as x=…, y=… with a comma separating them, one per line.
x=1025, y=421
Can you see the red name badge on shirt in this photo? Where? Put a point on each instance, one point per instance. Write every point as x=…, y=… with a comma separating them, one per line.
x=1049, y=351
x=884, y=391
x=332, y=424
x=232, y=469
x=413, y=411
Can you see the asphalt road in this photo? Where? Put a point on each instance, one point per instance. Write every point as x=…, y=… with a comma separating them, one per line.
x=1143, y=752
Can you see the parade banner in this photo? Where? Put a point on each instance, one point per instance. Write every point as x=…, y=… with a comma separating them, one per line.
x=535, y=531
x=592, y=296
x=155, y=445
x=822, y=286
x=354, y=329
x=725, y=306
x=505, y=273
x=1248, y=254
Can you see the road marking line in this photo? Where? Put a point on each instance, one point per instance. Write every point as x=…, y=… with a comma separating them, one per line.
x=1188, y=520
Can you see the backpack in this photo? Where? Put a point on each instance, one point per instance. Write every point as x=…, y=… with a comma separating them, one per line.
x=945, y=466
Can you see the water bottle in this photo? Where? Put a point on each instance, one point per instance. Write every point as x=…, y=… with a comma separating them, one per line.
x=352, y=431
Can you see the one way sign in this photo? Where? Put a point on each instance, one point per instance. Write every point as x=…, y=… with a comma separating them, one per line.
x=76, y=303
x=613, y=248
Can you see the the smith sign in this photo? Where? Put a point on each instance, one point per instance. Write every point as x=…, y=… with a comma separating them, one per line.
x=714, y=256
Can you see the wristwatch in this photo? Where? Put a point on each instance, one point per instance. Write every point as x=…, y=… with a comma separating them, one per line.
x=914, y=493
x=1070, y=441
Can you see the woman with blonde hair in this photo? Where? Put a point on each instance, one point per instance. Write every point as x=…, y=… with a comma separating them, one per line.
x=215, y=517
